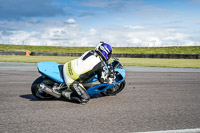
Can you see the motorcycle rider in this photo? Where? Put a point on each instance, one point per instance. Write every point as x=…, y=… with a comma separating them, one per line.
x=84, y=68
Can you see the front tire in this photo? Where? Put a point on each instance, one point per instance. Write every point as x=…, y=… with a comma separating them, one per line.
x=38, y=93
x=113, y=91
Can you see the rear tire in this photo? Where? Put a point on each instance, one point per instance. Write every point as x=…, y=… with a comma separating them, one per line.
x=40, y=94
x=113, y=91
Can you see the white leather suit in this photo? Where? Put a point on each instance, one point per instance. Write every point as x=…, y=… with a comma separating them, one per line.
x=80, y=70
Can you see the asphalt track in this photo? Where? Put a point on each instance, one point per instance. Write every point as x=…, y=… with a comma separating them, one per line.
x=154, y=99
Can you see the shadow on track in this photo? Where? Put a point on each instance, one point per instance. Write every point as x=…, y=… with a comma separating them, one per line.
x=30, y=97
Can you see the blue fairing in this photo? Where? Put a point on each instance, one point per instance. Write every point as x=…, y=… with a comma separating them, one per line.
x=98, y=88
x=50, y=69
x=121, y=71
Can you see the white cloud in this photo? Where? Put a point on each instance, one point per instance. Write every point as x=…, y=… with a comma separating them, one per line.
x=71, y=21
x=135, y=27
x=92, y=31
x=63, y=34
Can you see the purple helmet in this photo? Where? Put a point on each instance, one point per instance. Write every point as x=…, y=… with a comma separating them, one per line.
x=104, y=50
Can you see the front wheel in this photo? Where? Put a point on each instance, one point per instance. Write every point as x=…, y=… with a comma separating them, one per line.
x=113, y=91
x=38, y=93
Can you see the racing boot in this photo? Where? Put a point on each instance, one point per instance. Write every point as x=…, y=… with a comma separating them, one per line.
x=67, y=94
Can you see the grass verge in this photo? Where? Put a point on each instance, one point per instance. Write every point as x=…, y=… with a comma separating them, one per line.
x=34, y=59
x=177, y=63
x=128, y=50
x=155, y=62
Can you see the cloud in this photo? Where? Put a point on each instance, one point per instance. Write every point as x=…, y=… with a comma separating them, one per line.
x=16, y=9
x=66, y=34
x=92, y=31
x=128, y=36
x=71, y=21
x=134, y=27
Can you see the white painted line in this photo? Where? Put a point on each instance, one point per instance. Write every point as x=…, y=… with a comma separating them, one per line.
x=196, y=130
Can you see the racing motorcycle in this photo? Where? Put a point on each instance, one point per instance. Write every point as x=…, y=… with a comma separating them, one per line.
x=51, y=82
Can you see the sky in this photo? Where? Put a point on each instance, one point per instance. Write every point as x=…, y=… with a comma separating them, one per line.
x=121, y=23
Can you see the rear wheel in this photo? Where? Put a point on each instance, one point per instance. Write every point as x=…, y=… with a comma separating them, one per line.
x=113, y=91
x=38, y=93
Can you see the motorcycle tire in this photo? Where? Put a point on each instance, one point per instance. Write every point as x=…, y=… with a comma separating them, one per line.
x=113, y=91
x=40, y=94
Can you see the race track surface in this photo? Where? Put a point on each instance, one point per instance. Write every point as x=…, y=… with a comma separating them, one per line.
x=151, y=101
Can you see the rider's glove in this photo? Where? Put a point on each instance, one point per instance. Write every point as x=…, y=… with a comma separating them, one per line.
x=111, y=76
x=110, y=80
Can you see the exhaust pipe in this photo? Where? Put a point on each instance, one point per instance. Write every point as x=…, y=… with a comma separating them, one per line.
x=49, y=90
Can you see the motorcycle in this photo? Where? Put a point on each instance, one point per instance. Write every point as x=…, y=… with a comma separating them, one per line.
x=51, y=82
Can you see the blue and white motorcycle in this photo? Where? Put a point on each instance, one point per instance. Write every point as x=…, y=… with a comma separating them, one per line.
x=51, y=84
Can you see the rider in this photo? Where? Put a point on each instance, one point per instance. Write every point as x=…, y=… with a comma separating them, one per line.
x=84, y=68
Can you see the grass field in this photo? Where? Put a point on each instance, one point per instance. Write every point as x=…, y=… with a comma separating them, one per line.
x=178, y=63
x=136, y=50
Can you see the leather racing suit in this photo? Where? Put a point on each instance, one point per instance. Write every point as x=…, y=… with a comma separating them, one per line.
x=80, y=70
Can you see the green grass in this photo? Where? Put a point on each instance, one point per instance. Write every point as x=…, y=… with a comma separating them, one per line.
x=155, y=62
x=129, y=50
x=34, y=59
x=44, y=48
x=178, y=63
x=159, y=50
